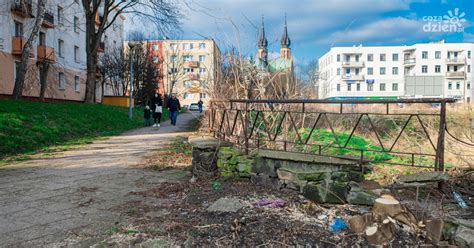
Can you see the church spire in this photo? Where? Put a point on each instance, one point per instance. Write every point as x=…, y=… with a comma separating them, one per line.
x=285, y=39
x=262, y=40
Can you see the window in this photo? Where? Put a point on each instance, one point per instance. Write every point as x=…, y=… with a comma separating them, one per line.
x=382, y=57
x=156, y=59
x=173, y=58
x=338, y=58
x=358, y=86
x=438, y=55
x=394, y=70
x=202, y=58
x=382, y=70
x=42, y=39
x=187, y=46
x=174, y=70
x=187, y=58
x=382, y=87
x=76, y=54
x=450, y=86
x=188, y=96
x=370, y=87
x=76, y=24
x=202, y=95
x=458, y=86
x=437, y=68
x=202, y=71
x=468, y=85
x=61, y=81
x=395, y=57
x=202, y=46
x=338, y=71
x=188, y=70
x=77, y=84
x=60, y=15
x=18, y=29
x=469, y=54
x=370, y=71
x=60, y=48
x=394, y=87
x=357, y=58
x=173, y=46
x=424, y=55
x=370, y=57
x=338, y=87
x=357, y=70
x=187, y=83
x=349, y=87
x=155, y=47
x=347, y=58
x=424, y=69
x=468, y=68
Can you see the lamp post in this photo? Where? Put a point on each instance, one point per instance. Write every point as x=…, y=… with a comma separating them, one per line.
x=131, y=45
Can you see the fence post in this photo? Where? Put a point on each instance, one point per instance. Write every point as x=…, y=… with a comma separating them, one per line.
x=439, y=166
x=246, y=128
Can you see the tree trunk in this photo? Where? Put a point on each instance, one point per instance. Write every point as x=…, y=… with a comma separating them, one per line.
x=25, y=54
x=43, y=79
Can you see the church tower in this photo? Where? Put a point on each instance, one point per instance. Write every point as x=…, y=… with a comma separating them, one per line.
x=285, y=51
x=262, y=44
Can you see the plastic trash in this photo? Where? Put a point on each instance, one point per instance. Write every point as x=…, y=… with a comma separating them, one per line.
x=459, y=199
x=274, y=203
x=337, y=225
x=216, y=185
x=322, y=217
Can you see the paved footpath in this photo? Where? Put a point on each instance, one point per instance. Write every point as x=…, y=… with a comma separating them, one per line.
x=46, y=200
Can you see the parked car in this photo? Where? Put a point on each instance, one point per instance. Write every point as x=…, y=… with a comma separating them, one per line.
x=194, y=107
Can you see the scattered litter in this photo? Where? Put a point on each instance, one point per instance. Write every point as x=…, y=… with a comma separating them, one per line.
x=459, y=199
x=337, y=225
x=322, y=217
x=216, y=185
x=274, y=203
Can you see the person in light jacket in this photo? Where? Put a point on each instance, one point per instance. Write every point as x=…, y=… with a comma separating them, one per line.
x=157, y=105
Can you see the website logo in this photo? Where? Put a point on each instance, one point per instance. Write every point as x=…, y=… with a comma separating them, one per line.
x=452, y=22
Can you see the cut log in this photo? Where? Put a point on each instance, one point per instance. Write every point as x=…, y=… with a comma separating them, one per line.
x=359, y=223
x=380, y=234
x=434, y=229
x=384, y=207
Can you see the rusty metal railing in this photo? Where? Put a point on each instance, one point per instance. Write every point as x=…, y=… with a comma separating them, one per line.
x=290, y=125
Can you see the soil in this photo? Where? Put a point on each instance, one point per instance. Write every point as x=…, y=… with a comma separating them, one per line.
x=182, y=218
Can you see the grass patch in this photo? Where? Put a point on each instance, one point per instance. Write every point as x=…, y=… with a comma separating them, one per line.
x=176, y=155
x=29, y=127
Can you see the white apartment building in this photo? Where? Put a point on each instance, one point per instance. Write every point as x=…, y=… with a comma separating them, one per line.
x=61, y=44
x=390, y=72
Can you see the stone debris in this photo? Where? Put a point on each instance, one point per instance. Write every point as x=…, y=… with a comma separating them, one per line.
x=423, y=177
x=231, y=204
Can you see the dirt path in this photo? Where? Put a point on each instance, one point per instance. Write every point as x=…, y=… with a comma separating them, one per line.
x=47, y=200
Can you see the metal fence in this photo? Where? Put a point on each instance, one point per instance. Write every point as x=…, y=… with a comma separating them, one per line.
x=300, y=125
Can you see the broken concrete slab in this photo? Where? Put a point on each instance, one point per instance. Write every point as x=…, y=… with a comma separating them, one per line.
x=424, y=177
x=226, y=204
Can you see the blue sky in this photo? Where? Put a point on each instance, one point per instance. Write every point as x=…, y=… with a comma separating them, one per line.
x=317, y=25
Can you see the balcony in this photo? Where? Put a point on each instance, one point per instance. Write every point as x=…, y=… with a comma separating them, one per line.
x=409, y=61
x=455, y=74
x=46, y=54
x=193, y=76
x=193, y=64
x=459, y=60
x=22, y=8
x=101, y=47
x=18, y=42
x=353, y=64
x=48, y=21
x=353, y=77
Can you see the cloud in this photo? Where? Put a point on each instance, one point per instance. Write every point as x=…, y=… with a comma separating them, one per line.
x=468, y=37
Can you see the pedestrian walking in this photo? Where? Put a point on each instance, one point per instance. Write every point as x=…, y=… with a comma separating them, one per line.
x=157, y=102
x=147, y=116
x=174, y=106
x=200, y=103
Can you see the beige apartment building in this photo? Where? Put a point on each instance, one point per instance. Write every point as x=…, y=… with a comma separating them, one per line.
x=190, y=68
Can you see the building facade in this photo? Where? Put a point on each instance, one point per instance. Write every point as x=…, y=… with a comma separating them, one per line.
x=390, y=72
x=60, y=47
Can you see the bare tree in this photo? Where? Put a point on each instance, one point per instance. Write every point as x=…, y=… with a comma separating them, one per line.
x=113, y=67
x=25, y=54
x=163, y=13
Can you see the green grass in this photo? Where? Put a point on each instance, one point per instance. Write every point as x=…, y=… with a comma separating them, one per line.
x=28, y=127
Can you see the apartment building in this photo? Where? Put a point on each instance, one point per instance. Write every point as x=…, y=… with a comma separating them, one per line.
x=390, y=72
x=60, y=45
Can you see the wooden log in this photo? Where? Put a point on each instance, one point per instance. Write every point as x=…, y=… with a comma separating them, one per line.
x=359, y=223
x=387, y=206
x=380, y=234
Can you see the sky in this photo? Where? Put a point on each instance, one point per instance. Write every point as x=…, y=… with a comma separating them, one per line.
x=315, y=26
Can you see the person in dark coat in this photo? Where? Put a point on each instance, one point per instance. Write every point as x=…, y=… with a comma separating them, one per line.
x=147, y=116
x=157, y=106
x=200, y=103
x=174, y=106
